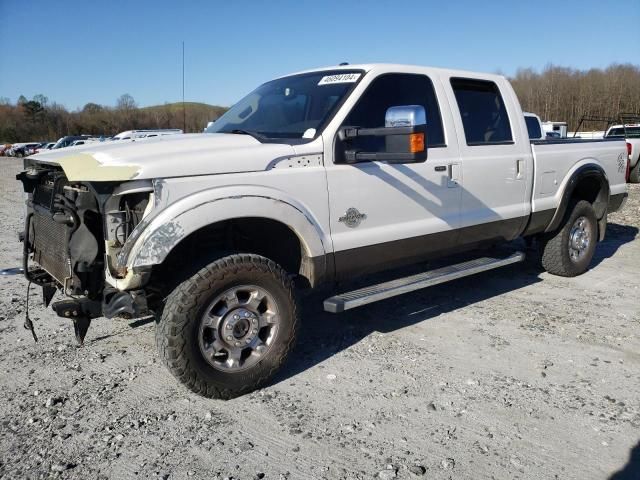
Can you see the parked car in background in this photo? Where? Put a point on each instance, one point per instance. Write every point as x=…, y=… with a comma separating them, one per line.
x=34, y=147
x=85, y=141
x=4, y=148
x=587, y=134
x=631, y=134
x=138, y=134
x=44, y=147
x=69, y=139
x=559, y=127
x=22, y=149
x=534, y=126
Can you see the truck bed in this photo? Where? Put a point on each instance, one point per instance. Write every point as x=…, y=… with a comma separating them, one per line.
x=555, y=160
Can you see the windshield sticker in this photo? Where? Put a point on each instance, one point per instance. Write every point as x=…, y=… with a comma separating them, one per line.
x=340, y=78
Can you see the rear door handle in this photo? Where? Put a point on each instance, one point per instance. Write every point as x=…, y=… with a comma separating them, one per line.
x=454, y=175
x=519, y=169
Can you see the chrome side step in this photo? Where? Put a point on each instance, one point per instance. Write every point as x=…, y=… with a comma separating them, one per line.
x=363, y=296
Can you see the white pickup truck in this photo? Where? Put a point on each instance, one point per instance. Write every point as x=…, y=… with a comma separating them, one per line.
x=312, y=179
x=631, y=135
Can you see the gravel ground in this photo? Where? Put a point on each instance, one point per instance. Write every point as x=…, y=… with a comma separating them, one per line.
x=509, y=374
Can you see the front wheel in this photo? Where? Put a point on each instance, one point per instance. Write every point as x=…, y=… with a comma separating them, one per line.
x=568, y=251
x=226, y=330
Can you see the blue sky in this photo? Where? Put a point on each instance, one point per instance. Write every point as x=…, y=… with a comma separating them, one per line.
x=76, y=52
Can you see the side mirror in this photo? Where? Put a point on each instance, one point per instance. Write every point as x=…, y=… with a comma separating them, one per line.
x=404, y=133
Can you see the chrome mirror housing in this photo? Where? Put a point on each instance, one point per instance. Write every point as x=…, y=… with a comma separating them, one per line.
x=405, y=116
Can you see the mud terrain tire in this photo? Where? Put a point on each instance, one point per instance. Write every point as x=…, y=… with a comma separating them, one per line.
x=190, y=345
x=568, y=251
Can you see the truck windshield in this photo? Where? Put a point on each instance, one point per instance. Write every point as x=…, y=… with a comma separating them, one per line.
x=295, y=107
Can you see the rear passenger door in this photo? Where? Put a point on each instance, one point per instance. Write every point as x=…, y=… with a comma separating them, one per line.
x=496, y=160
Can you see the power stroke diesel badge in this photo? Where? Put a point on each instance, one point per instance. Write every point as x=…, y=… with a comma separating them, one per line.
x=352, y=218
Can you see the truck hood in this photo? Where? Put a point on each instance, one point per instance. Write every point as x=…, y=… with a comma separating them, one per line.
x=163, y=157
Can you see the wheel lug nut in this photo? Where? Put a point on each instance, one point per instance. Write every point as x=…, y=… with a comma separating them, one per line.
x=255, y=330
x=236, y=317
x=229, y=326
x=229, y=337
x=237, y=344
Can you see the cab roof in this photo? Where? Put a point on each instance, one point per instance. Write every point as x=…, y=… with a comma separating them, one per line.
x=401, y=68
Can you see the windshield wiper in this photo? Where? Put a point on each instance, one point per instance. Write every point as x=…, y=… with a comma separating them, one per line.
x=255, y=135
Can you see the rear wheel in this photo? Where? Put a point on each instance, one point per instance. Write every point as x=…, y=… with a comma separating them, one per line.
x=226, y=330
x=634, y=173
x=568, y=251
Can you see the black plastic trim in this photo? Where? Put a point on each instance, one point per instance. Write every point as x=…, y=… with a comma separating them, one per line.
x=383, y=256
x=585, y=171
x=486, y=144
x=351, y=156
x=353, y=132
x=539, y=221
x=616, y=202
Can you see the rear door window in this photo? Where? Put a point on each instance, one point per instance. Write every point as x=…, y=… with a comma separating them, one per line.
x=483, y=112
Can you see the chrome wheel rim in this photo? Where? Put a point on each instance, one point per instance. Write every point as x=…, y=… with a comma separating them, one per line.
x=238, y=328
x=579, y=239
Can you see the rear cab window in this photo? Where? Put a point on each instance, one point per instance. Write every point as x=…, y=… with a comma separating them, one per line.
x=483, y=112
x=533, y=127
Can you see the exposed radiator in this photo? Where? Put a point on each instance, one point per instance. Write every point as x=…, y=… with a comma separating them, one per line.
x=50, y=241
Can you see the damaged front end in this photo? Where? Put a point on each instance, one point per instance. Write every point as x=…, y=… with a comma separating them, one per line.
x=71, y=231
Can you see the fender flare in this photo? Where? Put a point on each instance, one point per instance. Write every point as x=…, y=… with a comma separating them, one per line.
x=589, y=170
x=159, y=235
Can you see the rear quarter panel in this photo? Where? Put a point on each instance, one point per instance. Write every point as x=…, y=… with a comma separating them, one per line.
x=555, y=163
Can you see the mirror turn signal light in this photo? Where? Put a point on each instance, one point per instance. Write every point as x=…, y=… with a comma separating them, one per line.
x=416, y=142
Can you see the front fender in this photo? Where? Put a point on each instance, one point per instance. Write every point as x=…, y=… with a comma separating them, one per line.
x=152, y=241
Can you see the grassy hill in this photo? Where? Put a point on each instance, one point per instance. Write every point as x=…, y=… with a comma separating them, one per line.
x=194, y=108
x=170, y=115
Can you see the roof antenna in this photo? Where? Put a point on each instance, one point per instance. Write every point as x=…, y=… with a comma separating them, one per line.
x=343, y=64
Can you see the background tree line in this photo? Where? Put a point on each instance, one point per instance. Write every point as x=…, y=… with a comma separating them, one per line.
x=38, y=119
x=565, y=94
x=555, y=93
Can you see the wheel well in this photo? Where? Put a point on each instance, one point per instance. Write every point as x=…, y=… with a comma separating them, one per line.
x=591, y=189
x=261, y=236
x=588, y=183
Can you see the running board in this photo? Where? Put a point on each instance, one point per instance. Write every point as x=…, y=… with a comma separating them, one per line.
x=382, y=291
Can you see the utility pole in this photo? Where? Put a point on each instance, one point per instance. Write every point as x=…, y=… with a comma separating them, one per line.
x=184, y=111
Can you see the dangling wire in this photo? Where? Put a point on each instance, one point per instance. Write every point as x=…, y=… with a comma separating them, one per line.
x=28, y=324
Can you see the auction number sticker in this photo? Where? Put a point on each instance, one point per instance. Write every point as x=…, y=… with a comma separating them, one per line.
x=339, y=78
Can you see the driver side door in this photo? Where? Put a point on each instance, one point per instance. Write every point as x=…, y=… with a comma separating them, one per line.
x=384, y=215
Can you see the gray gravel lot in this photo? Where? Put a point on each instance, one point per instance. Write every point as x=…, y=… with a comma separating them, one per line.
x=509, y=374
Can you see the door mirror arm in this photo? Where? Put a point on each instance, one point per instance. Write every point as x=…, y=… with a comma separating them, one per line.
x=404, y=132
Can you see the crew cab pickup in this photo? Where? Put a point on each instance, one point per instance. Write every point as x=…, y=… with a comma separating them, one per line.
x=631, y=134
x=312, y=179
